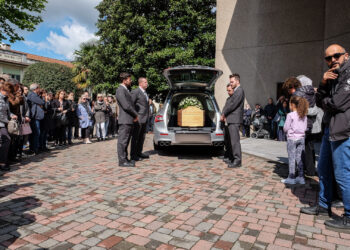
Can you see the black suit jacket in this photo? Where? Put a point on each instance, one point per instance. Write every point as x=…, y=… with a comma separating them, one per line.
x=127, y=112
x=233, y=109
x=141, y=105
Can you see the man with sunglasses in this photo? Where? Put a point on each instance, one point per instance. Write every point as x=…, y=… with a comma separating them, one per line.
x=334, y=97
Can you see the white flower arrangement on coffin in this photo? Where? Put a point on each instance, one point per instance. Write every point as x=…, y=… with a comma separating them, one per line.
x=190, y=101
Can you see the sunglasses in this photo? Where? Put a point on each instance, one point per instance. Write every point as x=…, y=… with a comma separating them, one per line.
x=336, y=57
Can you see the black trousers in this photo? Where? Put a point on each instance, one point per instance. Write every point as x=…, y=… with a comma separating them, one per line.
x=5, y=141
x=246, y=130
x=60, y=134
x=14, y=146
x=112, y=125
x=124, y=132
x=85, y=133
x=138, y=139
x=309, y=156
x=228, y=148
x=233, y=129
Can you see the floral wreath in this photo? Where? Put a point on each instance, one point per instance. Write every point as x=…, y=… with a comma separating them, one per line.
x=190, y=101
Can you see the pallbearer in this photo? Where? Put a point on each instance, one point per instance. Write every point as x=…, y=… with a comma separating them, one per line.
x=141, y=102
x=127, y=117
x=232, y=113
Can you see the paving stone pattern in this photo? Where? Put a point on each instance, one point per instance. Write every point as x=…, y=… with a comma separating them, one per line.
x=78, y=198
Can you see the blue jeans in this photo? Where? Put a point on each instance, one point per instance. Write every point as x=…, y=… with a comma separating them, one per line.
x=341, y=164
x=35, y=136
x=69, y=129
x=43, y=134
x=326, y=172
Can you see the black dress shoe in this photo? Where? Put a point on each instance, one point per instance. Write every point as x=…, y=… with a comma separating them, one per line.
x=126, y=164
x=14, y=160
x=132, y=161
x=234, y=164
x=136, y=159
x=5, y=167
x=143, y=156
x=343, y=223
x=227, y=160
x=316, y=210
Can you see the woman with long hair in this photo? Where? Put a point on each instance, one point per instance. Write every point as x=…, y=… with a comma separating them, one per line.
x=72, y=116
x=60, y=107
x=85, y=115
x=100, y=108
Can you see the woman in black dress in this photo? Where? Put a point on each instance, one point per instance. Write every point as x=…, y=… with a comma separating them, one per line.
x=60, y=108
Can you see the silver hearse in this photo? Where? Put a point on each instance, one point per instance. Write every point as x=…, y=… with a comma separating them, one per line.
x=185, y=81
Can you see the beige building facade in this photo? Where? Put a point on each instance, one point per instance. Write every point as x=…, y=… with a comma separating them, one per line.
x=14, y=63
x=266, y=41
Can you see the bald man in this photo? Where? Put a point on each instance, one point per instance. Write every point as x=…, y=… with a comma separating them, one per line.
x=334, y=97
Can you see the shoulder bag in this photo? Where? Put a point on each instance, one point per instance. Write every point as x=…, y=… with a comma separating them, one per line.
x=25, y=129
x=13, y=127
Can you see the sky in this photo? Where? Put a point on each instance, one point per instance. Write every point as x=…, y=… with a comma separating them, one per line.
x=66, y=24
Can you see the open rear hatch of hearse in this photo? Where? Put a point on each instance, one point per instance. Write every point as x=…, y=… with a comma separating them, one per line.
x=197, y=82
x=191, y=77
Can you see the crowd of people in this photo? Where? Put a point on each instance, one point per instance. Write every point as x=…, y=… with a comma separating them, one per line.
x=33, y=117
x=303, y=115
x=275, y=114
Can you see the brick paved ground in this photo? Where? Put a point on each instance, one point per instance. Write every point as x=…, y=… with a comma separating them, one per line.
x=78, y=198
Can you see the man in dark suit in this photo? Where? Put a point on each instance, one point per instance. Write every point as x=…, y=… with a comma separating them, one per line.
x=232, y=113
x=228, y=149
x=127, y=117
x=141, y=102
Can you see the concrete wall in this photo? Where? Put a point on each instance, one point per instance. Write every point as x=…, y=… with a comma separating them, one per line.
x=337, y=26
x=267, y=41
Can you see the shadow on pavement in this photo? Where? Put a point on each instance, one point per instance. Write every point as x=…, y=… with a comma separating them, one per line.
x=307, y=194
x=42, y=156
x=191, y=152
x=12, y=188
x=13, y=216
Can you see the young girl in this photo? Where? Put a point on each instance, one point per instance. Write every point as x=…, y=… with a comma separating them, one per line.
x=294, y=127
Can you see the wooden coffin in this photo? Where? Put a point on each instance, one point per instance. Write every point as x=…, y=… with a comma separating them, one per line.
x=190, y=117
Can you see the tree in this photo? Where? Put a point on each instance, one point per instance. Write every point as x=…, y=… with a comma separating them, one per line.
x=20, y=14
x=146, y=36
x=50, y=76
x=84, y=58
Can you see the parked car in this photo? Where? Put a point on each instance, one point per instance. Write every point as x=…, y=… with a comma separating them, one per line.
x=185, y=81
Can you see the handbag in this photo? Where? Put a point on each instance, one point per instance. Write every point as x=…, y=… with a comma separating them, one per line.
x=25, y=129
x=62, y=119
x=13, y=127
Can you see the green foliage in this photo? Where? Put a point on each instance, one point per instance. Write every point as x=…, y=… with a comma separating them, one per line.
x=50, y=76
x=144, y=37
x=84, y=58
x=190, y=101
x=19, y=14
